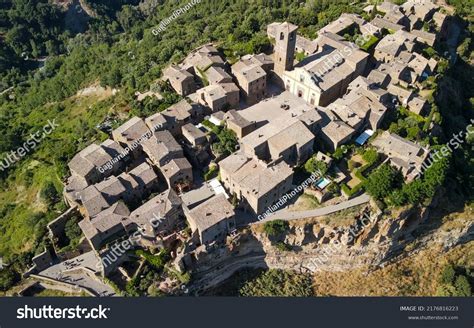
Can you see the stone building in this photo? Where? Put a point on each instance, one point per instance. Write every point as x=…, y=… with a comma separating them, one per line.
x=219, y=97
x=194, y=135
x=131, y=134
x=159, y=216
x=252, y=80
x=285, y=45
x=325, y=76
x=212, y=220
x=403, y=154
x=107, y=225
x=181, y=80
x=178, y=173
x=256, y=184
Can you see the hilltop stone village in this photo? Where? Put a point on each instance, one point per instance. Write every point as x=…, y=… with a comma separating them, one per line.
x=162, y=178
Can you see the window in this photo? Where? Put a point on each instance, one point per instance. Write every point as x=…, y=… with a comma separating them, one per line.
x=300, y=93
x=282, y=36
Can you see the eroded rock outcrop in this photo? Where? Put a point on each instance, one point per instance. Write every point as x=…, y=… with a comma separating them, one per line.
x=371, y=240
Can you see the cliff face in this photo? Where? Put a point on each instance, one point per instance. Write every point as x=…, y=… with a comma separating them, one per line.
x=372, y=241
x=369, y=241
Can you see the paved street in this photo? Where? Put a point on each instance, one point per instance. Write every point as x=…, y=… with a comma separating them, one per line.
x=287, y=215
x=72, y=271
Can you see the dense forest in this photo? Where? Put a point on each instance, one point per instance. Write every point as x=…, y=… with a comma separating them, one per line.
x=45, y=59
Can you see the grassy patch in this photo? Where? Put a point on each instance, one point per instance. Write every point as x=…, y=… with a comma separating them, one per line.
x=300, y=56
x=417, y=275
x=57, y=293
x=306, y=202
x=24, y=213
x=211, y=173
x=369, y=44
x=279, y=283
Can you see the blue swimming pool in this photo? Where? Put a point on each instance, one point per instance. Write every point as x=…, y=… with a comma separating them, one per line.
x=322, y=183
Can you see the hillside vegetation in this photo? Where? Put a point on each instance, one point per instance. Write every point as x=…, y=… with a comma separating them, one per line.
x=118, y=50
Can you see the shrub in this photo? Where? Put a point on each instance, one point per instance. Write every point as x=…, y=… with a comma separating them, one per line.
x=50, y=194
x=351, y=192
x=447, y=275
x=8, y=278
x=211, y=173
x=72, y=231
x=370, y=155
x=370, y=43
x=341, y=151
x=227, y=142
x=276, y=227
x=300, y=56
x=281, y=246
x=454, y=282
x=279, y=283
x=214, y=128
x=463, y=288
x=156, y=261
x=351, y=165
x=333, y=188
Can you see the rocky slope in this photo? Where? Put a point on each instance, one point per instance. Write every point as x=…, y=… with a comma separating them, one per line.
x=374, y=240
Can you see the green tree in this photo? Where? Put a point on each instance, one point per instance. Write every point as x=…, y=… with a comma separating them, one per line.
x=50, y=194
x=313, y=165
x=381, y=182
x=275, y=227
x=397, y=198
x=435, y=175
x=447, y=275
x=72, y=230
x=8, y=278
x=226, y=142
x=463, y=288
x=414, y=192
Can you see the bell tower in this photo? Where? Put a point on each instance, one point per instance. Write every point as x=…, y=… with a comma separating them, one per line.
x=285, y=43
